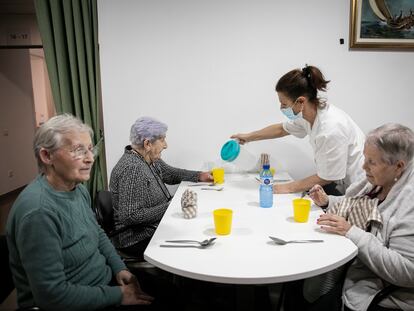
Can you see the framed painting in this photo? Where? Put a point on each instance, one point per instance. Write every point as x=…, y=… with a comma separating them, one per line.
x=382, y=24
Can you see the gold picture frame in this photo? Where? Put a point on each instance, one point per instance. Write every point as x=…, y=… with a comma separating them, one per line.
x=382, y=24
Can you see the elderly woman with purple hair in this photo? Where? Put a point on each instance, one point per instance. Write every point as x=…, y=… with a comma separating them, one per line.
x=137, y=185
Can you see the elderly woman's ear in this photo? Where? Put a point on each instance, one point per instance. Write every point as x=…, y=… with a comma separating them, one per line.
x=45, y=156
x=147, y=145
x=400, y=168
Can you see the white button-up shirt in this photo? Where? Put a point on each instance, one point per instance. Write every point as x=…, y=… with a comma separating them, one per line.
x=337, y=143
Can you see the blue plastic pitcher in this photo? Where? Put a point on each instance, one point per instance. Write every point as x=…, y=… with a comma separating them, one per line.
x=230, y=150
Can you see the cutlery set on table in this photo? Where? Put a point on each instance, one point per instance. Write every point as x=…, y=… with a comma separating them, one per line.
x=210, y=241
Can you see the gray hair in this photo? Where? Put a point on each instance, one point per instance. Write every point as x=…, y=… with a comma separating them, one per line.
x=49, y=134
x=146, y=128
x=395, y=141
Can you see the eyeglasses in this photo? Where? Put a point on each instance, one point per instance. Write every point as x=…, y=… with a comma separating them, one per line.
x=82, y=152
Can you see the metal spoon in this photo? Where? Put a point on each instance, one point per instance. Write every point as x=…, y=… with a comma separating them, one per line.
x=202, y=243
x=283, y=242
x=200, y=184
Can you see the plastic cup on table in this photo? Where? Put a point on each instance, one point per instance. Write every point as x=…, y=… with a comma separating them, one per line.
x=218, y=175
x=222, y=221
x=301, y=209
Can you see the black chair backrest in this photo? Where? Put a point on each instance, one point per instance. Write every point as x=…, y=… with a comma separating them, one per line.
x=7, y=284
x=104, y=211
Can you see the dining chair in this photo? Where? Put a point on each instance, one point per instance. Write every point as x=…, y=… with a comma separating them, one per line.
x=333, y=282
x=104, y=213
x=382, y=294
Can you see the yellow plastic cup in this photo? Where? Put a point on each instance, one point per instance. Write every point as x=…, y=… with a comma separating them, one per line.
x=222, y=220
x=218, y=175
x=301, y=209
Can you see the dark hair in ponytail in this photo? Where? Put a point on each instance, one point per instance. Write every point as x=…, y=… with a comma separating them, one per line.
x=303, y=82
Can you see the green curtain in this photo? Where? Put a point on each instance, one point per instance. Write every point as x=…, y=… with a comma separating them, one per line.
x=69, y=31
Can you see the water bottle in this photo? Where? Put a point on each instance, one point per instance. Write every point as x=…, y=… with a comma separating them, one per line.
x=266, y=187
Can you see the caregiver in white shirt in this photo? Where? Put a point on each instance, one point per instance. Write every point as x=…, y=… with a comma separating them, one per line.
x=336, y=140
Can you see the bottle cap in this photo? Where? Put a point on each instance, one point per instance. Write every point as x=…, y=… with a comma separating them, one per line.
x=230, y=150
x=266, y=166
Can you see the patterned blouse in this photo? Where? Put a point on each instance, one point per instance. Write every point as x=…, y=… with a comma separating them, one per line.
x=140, y=197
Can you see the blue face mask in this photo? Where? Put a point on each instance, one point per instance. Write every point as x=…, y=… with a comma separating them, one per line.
x=288, y=112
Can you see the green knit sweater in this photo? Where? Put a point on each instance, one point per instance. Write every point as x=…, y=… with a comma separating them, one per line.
x=60, y=258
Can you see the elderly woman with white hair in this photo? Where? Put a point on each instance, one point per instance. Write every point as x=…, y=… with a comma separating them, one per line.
x=59, y=256
x=377, y=215
x=138, y=189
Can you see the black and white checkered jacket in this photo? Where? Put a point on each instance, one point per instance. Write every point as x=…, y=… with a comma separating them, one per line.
x=140, y=196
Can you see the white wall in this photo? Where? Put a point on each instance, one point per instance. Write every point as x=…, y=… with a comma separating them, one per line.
x=208, y=69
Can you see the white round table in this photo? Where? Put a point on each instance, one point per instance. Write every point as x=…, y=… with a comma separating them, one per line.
x=247, y=255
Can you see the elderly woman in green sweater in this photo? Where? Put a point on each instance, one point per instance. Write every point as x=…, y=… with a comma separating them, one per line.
x=59, y=256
